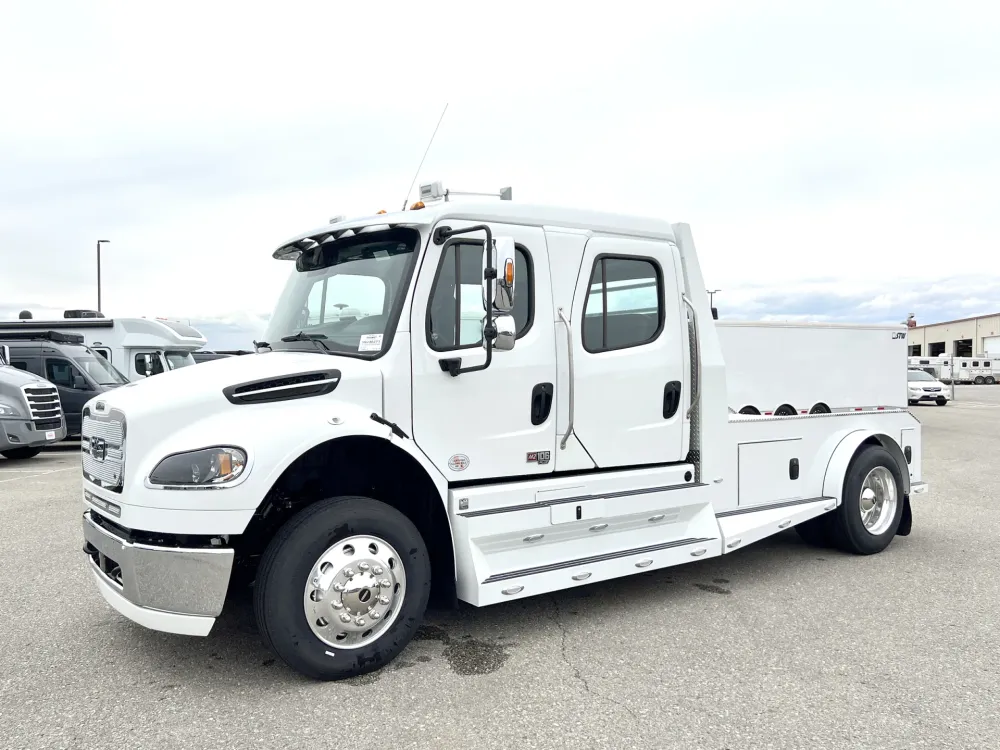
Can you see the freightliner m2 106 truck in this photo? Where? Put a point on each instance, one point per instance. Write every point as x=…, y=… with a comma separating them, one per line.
x=375, y=450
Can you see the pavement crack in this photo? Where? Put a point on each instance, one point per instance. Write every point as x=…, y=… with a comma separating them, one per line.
x=564, y=631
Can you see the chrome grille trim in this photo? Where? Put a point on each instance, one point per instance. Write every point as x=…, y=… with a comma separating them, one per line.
x=43, y=402
x=102, y=443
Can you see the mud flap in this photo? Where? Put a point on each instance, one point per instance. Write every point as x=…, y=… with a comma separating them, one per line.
x=907, y=520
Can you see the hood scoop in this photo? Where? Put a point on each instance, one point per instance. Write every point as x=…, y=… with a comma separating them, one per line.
x=283, y=387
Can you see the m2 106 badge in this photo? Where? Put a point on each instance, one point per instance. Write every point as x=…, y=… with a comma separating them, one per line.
x=539, y=457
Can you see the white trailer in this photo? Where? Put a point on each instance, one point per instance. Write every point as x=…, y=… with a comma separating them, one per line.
x=353, y=467
x=783, y=368
x=980, y=370
x=136, y=347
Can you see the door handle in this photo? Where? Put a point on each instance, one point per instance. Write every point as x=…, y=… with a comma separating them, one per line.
x=671, y=398
x=541, y=402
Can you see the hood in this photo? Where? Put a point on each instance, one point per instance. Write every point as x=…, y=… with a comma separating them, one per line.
x=15, y=377
x=202, y=385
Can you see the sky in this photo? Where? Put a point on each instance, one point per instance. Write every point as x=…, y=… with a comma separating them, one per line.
x=836, y=160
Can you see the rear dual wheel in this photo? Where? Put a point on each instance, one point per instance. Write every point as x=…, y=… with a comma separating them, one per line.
x=871, y=511
x=342, y=588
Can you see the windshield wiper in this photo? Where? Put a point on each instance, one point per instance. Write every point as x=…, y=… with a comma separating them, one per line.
x=303, y=336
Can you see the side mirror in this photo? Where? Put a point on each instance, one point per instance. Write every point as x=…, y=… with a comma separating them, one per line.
x=501, y=257
x=4, y=355
x=506, y=333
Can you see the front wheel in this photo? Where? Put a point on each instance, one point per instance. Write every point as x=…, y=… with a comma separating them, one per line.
x=20, y=454
x=942, y=401
x=342, y=588
x=872, y=508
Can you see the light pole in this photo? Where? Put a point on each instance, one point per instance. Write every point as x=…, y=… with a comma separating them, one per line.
x=711, y=294
x=99, y=243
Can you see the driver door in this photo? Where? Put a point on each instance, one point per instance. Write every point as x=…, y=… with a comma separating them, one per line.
x=497, y=422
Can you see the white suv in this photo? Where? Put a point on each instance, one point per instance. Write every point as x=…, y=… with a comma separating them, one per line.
x=922, y=386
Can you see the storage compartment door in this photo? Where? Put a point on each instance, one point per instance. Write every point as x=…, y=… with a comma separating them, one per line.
x=767, y=469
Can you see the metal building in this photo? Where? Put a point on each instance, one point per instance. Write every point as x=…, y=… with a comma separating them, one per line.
x=968, y=337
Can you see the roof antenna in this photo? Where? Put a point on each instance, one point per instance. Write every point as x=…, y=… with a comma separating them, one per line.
x=425, y=156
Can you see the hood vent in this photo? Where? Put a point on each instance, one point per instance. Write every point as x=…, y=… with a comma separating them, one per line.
x=283, y=388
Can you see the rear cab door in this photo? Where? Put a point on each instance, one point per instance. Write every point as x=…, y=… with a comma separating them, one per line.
x=630, y=352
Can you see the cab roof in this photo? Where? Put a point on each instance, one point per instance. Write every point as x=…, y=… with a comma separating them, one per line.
x=500, y=212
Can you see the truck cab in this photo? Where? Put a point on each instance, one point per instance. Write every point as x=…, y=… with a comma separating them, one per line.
x=30, y=412
x=483, y=400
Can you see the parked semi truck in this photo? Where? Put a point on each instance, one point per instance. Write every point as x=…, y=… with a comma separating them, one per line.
x=30, y=412
x=582, y=432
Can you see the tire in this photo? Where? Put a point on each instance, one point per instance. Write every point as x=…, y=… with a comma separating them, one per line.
x=20, y=454
x=785, y=410
x=941, y=401
x=980, y=380
x=847, y=529
x=820, y=408
x=990, y=380
x=816, y=531
x=280, y=595
x=750, y=410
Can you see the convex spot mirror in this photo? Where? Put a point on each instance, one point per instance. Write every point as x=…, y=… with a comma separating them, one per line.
x=500, y=257
x=506, y=333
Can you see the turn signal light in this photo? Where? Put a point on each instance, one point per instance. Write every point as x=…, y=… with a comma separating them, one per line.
x=508, y=272
x=380, y=212
x=417, y=205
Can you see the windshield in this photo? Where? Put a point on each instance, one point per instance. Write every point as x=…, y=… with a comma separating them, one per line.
x=345, y=295
x=99, y=369
x=178, y=359
x=919, y=375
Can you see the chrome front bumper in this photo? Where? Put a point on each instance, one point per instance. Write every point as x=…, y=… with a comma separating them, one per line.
x=175, y=589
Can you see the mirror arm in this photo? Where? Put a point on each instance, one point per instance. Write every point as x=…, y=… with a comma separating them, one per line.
x=453, y=366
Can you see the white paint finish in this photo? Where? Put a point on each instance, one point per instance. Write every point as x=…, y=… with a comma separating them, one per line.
x=991, y=345
x=166, y=622
x=485, y=415
x=764, y=471
x=742, y=530
x=585, y=510
x=619, y=394
x=910, y=437
x=844, y=366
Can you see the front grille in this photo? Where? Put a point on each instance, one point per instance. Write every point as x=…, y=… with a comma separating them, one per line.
x=102, y=442
x=43, y=402
x=932, y=390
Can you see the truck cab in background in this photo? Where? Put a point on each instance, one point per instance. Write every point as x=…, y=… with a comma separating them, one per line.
x=30, y=411
x=484, y=400
x=137, y=347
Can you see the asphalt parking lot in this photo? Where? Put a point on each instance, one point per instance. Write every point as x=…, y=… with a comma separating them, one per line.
x=778, y=646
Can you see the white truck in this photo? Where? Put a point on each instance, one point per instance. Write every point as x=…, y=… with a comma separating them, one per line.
x=581, y=433
x=136, y=347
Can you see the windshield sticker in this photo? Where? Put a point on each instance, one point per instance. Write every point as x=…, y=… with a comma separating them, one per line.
x=370, y=342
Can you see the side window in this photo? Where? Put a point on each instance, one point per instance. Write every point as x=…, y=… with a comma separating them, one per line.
x=148, y=363
x=986, y=364
x=624, y=306
x=61, y=372
x=455, y=311
x=106, y=353
x=20, y=365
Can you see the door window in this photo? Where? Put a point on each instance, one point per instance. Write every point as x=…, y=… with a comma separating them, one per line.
x=20, y=365
x=455, y=313
x=624, y=306
x=62, y=373
x=148, y=363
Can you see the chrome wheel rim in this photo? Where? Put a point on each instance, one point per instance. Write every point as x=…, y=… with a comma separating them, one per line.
x=878, y=500
x=354, y=591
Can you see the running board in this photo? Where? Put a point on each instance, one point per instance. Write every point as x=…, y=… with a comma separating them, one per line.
x=745, y=526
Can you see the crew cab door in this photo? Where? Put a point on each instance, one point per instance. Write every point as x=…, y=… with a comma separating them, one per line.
x=500, y=421
x=630, y=339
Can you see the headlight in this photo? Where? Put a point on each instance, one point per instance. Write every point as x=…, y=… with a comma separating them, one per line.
x=6, y=410
x=202, y=468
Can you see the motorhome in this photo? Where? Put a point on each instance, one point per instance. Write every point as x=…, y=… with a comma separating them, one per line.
x=583, y=431
x=30, y=412
x=77, y=372
x=137, y=347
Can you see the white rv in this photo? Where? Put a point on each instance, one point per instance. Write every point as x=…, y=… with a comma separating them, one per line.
x=136, y=347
